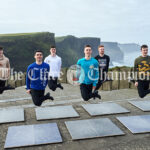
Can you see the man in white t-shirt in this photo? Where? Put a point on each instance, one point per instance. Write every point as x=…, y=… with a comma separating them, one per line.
x=54, y=62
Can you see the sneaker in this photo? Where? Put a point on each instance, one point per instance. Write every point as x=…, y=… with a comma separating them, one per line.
x=9, y=87
x=1, y=90
x=49, y=97
x=96, y=95
x=60, y=86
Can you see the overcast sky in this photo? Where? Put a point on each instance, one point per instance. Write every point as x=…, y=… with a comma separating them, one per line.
x=123, y=21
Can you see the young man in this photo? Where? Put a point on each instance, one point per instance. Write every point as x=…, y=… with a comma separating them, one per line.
x=142, y=67
x=87, y=74
x=54, y=62
x=37, y=78
x=103, y=61
x=4, y=72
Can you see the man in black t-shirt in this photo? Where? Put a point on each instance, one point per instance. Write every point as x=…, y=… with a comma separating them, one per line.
x=103, y=61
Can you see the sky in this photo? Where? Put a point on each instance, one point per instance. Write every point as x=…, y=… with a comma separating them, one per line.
x=123, y=21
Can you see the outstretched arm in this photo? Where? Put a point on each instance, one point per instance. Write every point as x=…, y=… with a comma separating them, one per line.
x=28, y=79
x=60, y=63
x=8, y=66
x=96, y=72
x=108, y=64
x=78, y=71
x=135, y=72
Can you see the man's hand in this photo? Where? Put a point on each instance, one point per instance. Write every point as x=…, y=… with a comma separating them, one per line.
x=75, y=79
x=28, y=91
x=136, y=84
x=94, y=87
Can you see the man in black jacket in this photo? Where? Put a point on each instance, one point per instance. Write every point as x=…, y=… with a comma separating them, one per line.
x=103, y=61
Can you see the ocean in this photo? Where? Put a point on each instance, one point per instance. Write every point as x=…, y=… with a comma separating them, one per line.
x=128, y=59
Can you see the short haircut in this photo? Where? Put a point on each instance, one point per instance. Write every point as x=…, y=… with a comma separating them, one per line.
x=38, y=51
x=87, y=46
x=53, y=46
x=144, y=46
x=1, y=48
x=100, y=46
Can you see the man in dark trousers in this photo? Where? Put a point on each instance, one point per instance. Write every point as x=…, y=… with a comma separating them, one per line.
x=37, y=79
x=54, y=62
x=103, y=61
x=142, y=67
x=87, y=75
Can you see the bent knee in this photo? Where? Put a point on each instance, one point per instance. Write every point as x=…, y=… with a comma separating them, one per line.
x=37, y=104
x=85, y=98
x=141, y=95
x=53, y=89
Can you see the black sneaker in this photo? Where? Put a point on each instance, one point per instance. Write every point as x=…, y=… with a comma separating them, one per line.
x=9, y=87
x=96, y=95
x=1, y=90
x=60, y=86
x=47, y=96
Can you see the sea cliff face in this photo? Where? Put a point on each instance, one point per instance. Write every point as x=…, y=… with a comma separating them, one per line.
x=20, y=48
x=129, y=47
x=71, y=48
x=112, y=49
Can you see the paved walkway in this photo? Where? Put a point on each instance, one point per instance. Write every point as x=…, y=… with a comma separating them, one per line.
x=71, y=96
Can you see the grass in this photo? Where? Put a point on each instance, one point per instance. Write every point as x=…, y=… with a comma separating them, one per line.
x=60, y=39
x=19, y=34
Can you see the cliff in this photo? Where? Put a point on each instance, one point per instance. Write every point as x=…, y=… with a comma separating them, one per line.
x=71, y=48
x=129, y=48
x=112, y=49
x=19, y=48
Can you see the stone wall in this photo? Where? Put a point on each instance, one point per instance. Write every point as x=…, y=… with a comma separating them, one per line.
x=67, y=75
